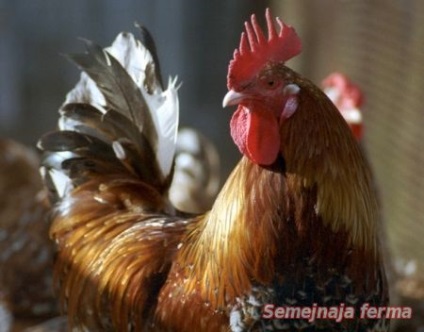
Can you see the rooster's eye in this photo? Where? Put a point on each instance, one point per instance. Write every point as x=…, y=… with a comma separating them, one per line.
x=270, y=83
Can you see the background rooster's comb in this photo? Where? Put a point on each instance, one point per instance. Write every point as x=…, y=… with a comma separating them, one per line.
x=255, y=50
x=350, y=94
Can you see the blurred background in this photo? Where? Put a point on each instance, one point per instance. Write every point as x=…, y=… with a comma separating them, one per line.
x=379, y=44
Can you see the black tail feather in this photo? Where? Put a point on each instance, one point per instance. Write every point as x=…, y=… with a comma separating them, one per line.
x=147, y=40
x=119, y=89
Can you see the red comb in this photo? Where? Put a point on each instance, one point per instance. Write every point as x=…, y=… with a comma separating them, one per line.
x=255, y=50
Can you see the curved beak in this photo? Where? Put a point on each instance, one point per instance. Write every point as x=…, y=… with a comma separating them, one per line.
x=233, y=98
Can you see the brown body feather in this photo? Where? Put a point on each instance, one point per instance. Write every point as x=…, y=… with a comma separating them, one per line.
x=114, y=252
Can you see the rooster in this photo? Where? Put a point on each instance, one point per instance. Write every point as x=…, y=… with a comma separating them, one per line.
x=348, y=98
x=26, y=252
x=294, y=224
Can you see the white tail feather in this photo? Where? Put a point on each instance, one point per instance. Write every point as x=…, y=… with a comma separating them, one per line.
x=85, y=91
x=166, y=120
x=163, y=105
x=60, y=180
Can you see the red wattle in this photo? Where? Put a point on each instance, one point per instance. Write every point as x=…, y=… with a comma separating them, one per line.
x=256, y=134
x=238, y=126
